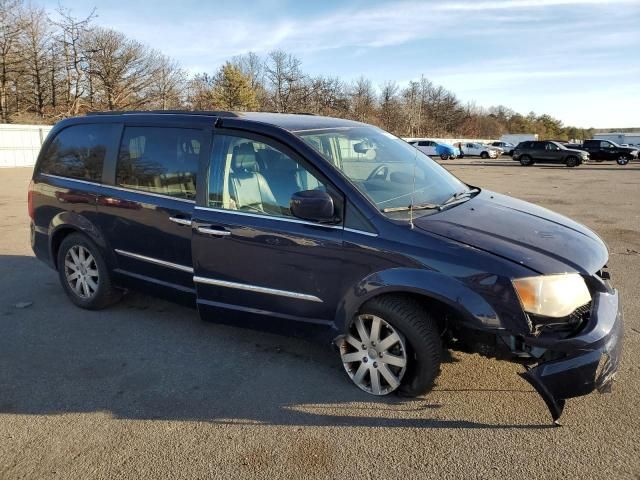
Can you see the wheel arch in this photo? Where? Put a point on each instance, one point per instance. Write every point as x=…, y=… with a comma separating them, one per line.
x=430, y=288
x=67, y=223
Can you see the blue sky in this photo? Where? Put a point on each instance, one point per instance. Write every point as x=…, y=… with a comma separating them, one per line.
x=578, y=60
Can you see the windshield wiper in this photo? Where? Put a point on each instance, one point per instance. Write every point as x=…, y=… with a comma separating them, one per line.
x=423, y=206
x=453, y=200
x=458, y=197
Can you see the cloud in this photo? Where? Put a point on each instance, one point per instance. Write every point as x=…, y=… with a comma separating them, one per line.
x=520, y=4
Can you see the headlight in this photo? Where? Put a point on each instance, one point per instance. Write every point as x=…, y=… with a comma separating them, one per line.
x=552, y=295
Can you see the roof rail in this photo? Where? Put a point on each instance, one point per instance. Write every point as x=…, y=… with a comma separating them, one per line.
x=212, y=113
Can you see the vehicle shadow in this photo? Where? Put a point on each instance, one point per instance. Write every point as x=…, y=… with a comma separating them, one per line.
x=148, y=359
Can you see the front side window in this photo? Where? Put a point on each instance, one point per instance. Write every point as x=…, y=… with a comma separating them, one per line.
x=384, y=168
x=160, y=160
x=254, y=177
x=79, y=151
x=605, y=145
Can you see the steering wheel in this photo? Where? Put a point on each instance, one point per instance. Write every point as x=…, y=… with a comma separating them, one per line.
x=381, y=171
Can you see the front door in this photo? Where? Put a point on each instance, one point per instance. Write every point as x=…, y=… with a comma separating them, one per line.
x=145, y=209
x=608, y=150
x=255, y=264
x=550, y=153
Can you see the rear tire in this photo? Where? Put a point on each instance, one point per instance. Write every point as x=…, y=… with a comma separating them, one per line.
x=84, y=274
x=419, y=343
x=571, y=162
x=444, y=156
x=526, y=161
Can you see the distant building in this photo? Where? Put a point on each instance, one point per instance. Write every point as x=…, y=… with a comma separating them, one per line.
x=630, y=138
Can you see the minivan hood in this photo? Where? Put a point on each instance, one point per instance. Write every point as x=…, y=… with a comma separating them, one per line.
x=524, y=233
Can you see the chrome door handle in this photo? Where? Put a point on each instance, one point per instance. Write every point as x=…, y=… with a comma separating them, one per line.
x=180, y=221
x=214, y=231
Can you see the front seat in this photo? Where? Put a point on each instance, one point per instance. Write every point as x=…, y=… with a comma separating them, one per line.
x=282, y=174
x=249, y=189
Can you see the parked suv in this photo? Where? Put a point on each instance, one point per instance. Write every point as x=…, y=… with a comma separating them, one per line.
x=329, y=228
x=505, y=146
x=479, y=149
x=528, y=153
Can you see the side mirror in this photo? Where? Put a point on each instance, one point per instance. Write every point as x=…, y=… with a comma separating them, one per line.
x=313, y=205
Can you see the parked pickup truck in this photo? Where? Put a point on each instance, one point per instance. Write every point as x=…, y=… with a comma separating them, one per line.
x=600, y=150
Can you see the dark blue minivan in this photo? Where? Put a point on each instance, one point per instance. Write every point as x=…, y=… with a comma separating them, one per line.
x=327, y=228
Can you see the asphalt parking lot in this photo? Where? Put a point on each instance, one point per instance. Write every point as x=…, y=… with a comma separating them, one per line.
x=147, y=390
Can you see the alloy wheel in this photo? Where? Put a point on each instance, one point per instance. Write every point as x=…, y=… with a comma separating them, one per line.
x=374, y=355
x=81, y=271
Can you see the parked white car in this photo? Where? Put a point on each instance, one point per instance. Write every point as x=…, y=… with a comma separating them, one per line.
x=480, y=150
x=436, y=149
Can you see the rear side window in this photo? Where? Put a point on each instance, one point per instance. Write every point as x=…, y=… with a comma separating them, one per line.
x=160, y=160
x=79, y=151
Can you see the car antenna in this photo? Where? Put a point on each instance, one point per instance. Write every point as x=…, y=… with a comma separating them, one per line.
x=413, y=190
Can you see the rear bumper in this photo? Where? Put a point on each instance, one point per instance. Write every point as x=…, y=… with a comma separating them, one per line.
x=40, y=244
x=583, y=363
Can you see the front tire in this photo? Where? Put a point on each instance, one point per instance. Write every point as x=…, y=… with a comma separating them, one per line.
x=526, y=161
x=83, y=273
x=392, y=344
x=484, y=155
x=571, y=162
x=444, y=156
x=622, y=160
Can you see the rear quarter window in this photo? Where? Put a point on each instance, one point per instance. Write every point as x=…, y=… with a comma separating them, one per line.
x=79, y=151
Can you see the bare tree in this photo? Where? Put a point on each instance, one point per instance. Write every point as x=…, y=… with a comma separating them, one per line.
x=200, y=92
x=11, y=29
x=37, y=39
x=167, y=84
x=390, y=108
x=285, y=81
x=363, y=100
x=72, y=38
x=124, y=69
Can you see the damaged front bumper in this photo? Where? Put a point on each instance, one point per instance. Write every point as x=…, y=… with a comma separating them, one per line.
x=583, y=363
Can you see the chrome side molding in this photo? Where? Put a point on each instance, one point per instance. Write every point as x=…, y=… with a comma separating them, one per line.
x=255, y=288
x=155, y=261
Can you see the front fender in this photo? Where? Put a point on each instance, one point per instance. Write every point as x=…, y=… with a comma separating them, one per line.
x=474, y=310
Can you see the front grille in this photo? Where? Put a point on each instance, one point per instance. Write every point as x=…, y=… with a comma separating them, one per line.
x=568, y=325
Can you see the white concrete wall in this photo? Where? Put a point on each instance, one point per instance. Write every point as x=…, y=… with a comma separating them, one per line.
x=20, y=144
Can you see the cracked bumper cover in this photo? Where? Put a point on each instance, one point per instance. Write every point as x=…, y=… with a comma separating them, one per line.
x=587, y=362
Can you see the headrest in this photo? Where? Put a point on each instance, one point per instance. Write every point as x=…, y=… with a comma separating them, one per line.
x=275, y=161
x=244, y=158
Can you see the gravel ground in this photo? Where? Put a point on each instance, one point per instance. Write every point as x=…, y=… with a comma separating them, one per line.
x=147, y=390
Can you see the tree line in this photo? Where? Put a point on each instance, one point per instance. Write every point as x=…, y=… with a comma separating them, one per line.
x=52, y=68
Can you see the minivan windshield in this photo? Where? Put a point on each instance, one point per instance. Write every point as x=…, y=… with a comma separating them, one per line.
x=385, y=168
